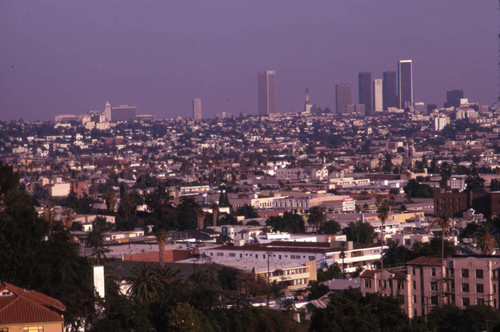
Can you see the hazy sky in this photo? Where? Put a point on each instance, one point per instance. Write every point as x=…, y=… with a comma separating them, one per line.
x=65, y=56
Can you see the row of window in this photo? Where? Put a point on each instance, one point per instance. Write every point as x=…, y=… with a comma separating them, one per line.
x=24, y=329
x=232, y=254
x=465, y=273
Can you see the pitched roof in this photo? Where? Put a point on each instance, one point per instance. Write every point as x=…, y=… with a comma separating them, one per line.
x=18, y=305
x=425, y=261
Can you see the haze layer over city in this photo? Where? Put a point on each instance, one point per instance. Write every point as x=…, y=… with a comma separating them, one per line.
x=61, y=57
x=252, y=166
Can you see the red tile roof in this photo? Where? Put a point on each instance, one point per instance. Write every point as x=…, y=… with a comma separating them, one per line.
x=18, y=305
x=426, y=261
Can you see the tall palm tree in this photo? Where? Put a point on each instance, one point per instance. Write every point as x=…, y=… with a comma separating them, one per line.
x=145, y=286
x=382, y=214
x=444, y=224
x=317, y=217
x=161, y=239
x=215, y=212
x=485, y=240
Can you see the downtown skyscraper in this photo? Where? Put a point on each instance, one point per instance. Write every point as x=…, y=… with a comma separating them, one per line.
x=405, y=83
x=343, y=97
x=389, y=85
x=197, y=110
x=377, y=95
x=365, y=91
x=266, y=89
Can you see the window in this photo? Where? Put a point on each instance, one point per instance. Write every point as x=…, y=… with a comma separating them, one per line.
x=220, y=254
x=368, y=283
x=232, y=254
x=465, y=301
x=479, y=274
x=33, y=329
x=414, y=269
x=494, y=289
x=465, y=273
x=480, y=301
x=479, y=288
x=256, y=255
x=414, y=299
x=4, y=329
x=311, y=258
x=433, y=271
x=434, y=285
x=401, y=285
x=434, y=300
x=414, y=284
x=407, y=242
x=465, y=287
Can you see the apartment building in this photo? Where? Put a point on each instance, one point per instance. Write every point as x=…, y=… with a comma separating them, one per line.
x=463, y=281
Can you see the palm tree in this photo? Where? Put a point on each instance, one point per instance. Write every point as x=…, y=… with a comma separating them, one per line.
x=161, y=239
x=167, y=275
x=317, y=217
x=215, y=212
x=145, y=286
x=444, y=224
x=485, y=240
x=382, y=214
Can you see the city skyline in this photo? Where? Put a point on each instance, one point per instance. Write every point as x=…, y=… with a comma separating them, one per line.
x=87, y=54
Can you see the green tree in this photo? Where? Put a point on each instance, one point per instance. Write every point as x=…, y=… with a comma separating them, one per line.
x=484, y=239
x=330, y=227
x=359, y=232
x=95, y=240
x=247, y=211
x=290, y=222
x=145, y=286
x=317, y=217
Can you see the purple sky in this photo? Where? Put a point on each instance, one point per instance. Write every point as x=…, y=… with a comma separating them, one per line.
x=60, y=56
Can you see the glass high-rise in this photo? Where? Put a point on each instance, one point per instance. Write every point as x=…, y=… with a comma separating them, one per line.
x=365, y=91
x=453, y=98
x=389, y=85
x=405, y=83
x=266, y=87
x=343, y=97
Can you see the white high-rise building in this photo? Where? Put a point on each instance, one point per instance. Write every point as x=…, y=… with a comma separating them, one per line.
x=377, y=95
x=266, y=87
x=107, y=111
x=197, y=109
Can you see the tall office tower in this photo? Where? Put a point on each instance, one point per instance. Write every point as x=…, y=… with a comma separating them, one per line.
x=453, y=98
x=390, y=97
x=307, y=103
x=266, y=86
x=343, y=97
x=197, y=110
x=377, y=102
x=107, y=111
x=405, y=83
x=365, y=91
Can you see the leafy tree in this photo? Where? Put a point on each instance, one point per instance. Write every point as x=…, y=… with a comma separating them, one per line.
x=290, y=222
x=469, y=230
x=247, y=211
x=359, y=232
x=474, y=183
x=333, y=272
x=351, y=311
x=189, y=213
x=414, y=189
x=330, y=227
x=95, y=240
x=495, y=185
x=317, y=217
x=433, y=248
x=161, y=239
x=316, y=290
x=397, y=255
